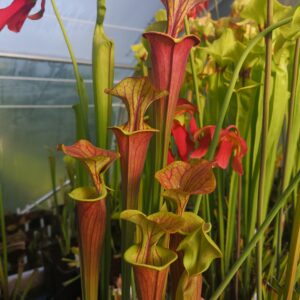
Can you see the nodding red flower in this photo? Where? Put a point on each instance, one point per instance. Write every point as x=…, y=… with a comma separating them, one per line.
x=230, y=142
x=182, y=136
x=198, y=10
x=16, y=13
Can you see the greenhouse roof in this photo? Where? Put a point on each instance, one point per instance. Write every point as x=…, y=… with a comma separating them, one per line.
x=125, y=21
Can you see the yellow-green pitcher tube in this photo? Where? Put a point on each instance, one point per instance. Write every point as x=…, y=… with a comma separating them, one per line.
x=103, y=73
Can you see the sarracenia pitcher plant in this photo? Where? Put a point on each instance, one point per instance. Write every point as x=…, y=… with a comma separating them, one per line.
x=169, y=54
x=91, y=211
x=133, y=139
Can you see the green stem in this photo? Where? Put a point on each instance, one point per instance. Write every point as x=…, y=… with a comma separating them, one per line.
x=294, y=255
x=260, y=232
x=103, y=73
x=4, y=247
x=52, y=163
x=295, y=240
x=194, y=73
x=234, y=79
x=238, y=234
x=197, y=204
x=134, y=296
x=221, y=219
x=79, y=81
x=264, y=137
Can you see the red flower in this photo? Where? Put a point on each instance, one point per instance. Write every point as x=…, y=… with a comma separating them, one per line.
x=16, y=13
x=180, y=133
x=198, y=10
x=230, y=142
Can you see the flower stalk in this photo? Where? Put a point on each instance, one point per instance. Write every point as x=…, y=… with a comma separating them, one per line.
x=295, y=239
x=282, y=199
x=80, y=85
x=264, y=137
x=103, y=74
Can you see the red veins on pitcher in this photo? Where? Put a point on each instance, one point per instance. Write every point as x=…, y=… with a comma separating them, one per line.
x=198, y=10
x=176, y=10
x=95, y=159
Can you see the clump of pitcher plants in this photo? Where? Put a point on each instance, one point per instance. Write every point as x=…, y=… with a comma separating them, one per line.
x=172, y=153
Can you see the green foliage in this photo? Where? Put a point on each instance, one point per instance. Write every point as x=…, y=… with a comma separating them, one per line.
x=256, y=10
x=198, y=247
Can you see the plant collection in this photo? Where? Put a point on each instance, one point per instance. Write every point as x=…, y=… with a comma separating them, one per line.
x=204, y=183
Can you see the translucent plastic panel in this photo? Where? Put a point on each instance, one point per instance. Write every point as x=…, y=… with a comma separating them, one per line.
x=25, y=137
x=36, y=115
x=29, y=82
x=44, y=69
x=19, y=92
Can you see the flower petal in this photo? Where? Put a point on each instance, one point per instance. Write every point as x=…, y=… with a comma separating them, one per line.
x=223, y=154
x=171, y=157
x=182, y=140
x=184, y=106
x=15, y=14
x=193, y=126
x=237, y=165
x=40, y=13
x=204, y=141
